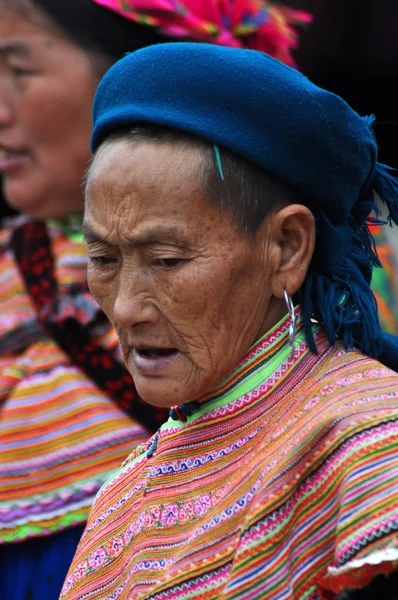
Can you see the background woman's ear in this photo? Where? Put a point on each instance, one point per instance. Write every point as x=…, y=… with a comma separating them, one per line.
x=292, y=244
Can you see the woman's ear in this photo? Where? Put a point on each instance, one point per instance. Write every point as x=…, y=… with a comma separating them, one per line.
x=292, y=245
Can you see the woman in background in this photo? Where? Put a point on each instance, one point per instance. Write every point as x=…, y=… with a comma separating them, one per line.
x=69, y=411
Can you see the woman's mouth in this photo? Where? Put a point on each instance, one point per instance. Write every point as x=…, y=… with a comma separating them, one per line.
x=11, y=160
x=152, y=360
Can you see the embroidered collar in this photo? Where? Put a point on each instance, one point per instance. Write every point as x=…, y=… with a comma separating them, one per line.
x=260, y=363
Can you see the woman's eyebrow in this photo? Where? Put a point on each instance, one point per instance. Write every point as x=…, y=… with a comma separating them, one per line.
x=91, y=236
x=158, y=234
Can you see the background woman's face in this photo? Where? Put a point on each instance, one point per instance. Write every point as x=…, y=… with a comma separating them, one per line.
x=187, y=293
x=46, y=91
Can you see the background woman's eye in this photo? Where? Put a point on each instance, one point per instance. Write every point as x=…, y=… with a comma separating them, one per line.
x=19, y=71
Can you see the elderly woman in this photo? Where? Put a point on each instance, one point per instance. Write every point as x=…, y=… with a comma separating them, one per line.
x=69, y=411
x=226, y=221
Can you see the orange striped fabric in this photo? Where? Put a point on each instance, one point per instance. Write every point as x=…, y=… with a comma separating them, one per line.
x=283, y=485
x=60, y=436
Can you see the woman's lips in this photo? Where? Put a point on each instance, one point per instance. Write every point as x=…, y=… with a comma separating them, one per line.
x=11, y=161
x=152, y=361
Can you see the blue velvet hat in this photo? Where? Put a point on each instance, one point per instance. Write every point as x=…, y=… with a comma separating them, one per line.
x=275, y=117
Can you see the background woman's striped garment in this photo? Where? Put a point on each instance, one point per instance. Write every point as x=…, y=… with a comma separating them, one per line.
x=384, y=281
x=284, y=485
x=60, y=436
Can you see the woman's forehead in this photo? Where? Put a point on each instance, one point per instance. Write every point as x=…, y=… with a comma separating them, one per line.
x=157, y=164
x=23, y=25
x=142, y=171
x=26, y=10
x=136, y=187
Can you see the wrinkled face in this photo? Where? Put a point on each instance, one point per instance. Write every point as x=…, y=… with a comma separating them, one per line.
x=46, y=91
x=186, y=291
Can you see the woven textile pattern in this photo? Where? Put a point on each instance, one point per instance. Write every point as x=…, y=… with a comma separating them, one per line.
x=288, y=468
x=60, y=436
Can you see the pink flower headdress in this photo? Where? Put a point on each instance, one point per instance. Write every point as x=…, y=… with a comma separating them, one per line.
x=256, y=24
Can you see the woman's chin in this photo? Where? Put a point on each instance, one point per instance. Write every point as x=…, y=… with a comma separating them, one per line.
x=159, y=393
x=164, y=383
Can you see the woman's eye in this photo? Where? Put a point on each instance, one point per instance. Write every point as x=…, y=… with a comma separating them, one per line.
x=102, y=261
x=19, y=71
x=168, y=263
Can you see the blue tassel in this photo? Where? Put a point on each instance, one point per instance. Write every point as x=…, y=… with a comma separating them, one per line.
x=386, y=186
x=384, y=183
x=341, y=299
x=339, y=296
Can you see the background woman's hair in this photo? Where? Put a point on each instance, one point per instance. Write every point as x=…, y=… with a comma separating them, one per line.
x=92, y=27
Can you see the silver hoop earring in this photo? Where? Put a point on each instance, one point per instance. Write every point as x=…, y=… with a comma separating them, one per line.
x=293, y=320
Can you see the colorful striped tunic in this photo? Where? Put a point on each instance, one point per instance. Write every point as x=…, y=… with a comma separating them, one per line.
x=283, y=485
x=60, y=436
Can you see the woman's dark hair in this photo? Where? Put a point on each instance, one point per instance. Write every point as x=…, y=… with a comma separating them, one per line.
x=95, y=28
x=244, y=191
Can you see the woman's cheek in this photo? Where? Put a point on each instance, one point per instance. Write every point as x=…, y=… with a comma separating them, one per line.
x=101, y=287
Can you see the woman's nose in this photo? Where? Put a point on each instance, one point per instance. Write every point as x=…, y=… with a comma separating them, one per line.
x=134, y=307
x=5, y=114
